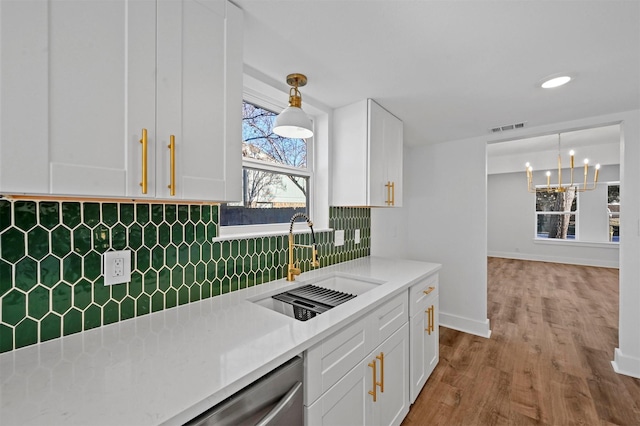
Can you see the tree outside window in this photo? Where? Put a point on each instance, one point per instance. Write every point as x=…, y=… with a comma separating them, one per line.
x=556, y=214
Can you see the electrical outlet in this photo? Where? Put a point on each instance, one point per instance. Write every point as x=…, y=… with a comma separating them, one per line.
x=116, y=267
x=339, y=238
x=356, y=237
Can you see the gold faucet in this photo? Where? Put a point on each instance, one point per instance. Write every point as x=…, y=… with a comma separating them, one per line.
x=292, y=267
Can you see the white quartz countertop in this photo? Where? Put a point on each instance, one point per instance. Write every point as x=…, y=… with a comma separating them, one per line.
x=169, y=366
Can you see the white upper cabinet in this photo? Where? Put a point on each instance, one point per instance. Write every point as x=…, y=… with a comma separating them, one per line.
x=367, y=156
x=200, y=99
x=81, y=83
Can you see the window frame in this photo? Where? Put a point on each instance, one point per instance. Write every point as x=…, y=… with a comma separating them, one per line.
x=233, y=231
x=570, y=212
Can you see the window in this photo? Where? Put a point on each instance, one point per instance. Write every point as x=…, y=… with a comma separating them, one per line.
x=556, y=214
x=276, y=179
x=613, y=209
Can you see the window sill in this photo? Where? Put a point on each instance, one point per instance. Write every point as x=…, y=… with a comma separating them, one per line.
x=247, y=235
x=574, y=243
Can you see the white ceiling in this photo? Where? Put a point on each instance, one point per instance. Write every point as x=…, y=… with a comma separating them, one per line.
x=600, y=145
x=452, y=69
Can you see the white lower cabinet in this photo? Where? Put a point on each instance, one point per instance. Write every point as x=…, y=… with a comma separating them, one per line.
x=371, y=371
x=424, y=333
x=340, y=371
x=374, y=392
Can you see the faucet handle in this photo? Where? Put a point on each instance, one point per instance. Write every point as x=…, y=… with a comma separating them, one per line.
x=295, y=271
x=314, y=257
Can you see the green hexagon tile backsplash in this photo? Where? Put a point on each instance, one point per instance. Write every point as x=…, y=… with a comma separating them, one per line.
x=50, y=261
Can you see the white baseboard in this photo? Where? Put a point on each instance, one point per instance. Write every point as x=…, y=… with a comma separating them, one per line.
x=466, y=325
x=555, y=259
x=627, y=365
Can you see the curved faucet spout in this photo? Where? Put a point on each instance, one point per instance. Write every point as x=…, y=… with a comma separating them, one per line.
x=309, y=223
x=292, y=269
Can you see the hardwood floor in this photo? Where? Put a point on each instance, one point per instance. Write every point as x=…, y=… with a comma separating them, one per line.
x=548, y=361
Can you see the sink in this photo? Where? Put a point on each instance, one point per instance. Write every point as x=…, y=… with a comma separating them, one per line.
x=303, y=303
x=351, y=284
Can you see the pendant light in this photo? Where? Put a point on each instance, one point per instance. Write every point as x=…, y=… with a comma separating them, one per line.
x=293, y=122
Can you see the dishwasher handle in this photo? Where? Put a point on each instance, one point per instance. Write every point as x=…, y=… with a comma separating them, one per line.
x=273, y=416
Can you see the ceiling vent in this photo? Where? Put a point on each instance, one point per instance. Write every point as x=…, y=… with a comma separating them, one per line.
x=508, y=127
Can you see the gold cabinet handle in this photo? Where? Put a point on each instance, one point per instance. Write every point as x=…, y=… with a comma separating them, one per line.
x=381, y=382
x=172, y=151
x=429, y=290
x=428, y=312
x=391, y=193
x=374, y=391
x=143, y=141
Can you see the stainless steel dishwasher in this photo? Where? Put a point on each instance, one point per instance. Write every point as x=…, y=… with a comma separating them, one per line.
x=274, y=399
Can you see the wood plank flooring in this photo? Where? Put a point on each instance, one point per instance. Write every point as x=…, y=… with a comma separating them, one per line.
x=548, y=361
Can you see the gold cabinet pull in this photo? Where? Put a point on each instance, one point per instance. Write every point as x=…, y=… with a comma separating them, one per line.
x=374, y=391
x=429, y=290
x=143, y=141
x=428, y=312
x=381, y=382
x=172, y=151
x=391, y=193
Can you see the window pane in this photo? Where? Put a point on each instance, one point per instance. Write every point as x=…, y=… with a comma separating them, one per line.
x=556, y=201
x=613, y=207
x=268, y=197
x=561, y=226
x=260, y=143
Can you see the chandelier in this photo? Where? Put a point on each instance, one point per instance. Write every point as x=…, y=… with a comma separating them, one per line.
x=563, y=187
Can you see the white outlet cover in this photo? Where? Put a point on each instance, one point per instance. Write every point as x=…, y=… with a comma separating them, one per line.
x=116, y=267
x=356, y=237
x=339, y=238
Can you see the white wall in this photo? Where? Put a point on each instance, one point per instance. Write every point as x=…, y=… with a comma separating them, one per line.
x=511, y=223
x=445, y=202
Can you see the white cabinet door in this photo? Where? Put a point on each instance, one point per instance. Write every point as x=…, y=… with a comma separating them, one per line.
x=424, y=344
x=432, y=348
x=385, y=157
x=96, y=50
x=393, y=152
x=345, y=403
x=367, y=156
x=24, y=163
x=392, y=403
x=199, y=99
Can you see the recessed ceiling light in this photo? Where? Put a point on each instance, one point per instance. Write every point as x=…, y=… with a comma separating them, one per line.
x=556, y=82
